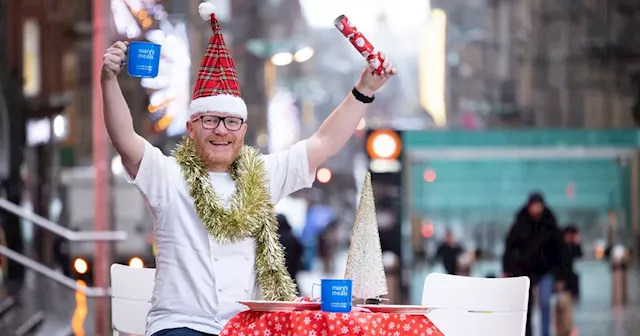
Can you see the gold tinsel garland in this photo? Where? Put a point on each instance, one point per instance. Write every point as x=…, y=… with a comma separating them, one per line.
x=252, y=214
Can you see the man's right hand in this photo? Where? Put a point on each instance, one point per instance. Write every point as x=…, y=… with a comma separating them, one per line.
x=113, y=59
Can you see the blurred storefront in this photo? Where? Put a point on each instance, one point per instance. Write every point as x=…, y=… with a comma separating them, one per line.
x=474, y=183
x=40, y=82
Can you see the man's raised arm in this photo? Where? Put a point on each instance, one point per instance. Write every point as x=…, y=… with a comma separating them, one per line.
x=117, y=117
x=338, y=128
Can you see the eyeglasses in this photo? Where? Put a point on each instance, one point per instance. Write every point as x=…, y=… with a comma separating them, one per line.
x=212, y=122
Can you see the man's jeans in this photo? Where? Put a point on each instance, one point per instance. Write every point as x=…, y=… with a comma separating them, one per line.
x=180, y=332
x=545, y=292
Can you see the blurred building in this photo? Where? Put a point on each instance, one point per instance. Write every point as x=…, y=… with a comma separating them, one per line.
x=543, y=64
x=40, y=77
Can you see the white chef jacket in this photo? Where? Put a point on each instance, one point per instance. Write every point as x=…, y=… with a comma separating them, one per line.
x=198, y=280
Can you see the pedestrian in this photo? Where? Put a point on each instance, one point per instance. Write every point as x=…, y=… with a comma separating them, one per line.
x=532, y=248
x=293, y=249
x=449, y=252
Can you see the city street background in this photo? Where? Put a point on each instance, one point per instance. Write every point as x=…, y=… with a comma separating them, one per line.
x=494, y=99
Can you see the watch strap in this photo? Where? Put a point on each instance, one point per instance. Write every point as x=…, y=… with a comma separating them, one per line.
x=361, y=97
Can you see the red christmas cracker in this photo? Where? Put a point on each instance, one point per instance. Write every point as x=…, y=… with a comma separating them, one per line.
x=364, y=47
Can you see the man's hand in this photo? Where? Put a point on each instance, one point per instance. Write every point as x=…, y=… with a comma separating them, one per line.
x=338, y=128
x=370, y=81
x=113, y=59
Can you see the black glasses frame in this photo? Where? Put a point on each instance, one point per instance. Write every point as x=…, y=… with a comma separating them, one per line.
x=220, y=119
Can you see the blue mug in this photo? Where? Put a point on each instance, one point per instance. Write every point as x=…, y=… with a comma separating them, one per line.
x=144, y=59
x=336, y=295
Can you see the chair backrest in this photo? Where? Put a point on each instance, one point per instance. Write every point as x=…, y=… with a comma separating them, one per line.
x=478, y=306
x=131, y=291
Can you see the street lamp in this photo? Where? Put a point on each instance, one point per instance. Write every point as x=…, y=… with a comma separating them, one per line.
x=286, y=58
x=303, y=54
x=282, y=59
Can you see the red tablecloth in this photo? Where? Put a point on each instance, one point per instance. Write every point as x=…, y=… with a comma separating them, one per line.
x=318, y=323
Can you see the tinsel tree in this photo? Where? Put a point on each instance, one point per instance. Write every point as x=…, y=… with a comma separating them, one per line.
x=364, y=262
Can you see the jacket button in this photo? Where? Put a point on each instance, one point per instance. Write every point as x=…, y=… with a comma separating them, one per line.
x=246, y=258
x=246, y=291
x=220, y=290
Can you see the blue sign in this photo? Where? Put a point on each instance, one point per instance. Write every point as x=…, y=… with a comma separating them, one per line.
x=336, y=295
x=144, y=59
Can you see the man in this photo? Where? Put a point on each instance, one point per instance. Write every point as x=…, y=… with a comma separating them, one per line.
x=292, y=246
x=318, y=217
x=571, y=251
x=532, y=249
x=213, y=200
x=449, y=251
x=566, y=294
x=327, y=241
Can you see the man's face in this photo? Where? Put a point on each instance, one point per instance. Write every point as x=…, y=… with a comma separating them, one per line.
x=575, y=238
x=536, y=209
x=218, y=138
x=448, y=237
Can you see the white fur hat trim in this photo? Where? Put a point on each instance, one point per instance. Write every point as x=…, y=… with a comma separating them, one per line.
x=227, y=104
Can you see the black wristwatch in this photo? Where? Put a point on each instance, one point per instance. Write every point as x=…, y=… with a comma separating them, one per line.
x=361, y=97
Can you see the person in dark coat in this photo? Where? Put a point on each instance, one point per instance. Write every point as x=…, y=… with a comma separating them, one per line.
x=571, y=251
x=293, y=249
x=533, y=249
x=327, y=244
x=449, y=251
x=568, y=289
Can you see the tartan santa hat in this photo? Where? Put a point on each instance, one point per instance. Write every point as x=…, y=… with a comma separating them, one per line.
x=217, y=88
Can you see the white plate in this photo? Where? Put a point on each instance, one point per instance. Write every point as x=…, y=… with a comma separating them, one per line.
x=398, y=309
x=272, y=306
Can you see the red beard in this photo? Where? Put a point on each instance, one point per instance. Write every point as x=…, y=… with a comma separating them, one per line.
x=207, y=158
x=211, y=159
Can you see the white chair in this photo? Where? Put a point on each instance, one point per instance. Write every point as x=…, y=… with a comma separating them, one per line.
x=131, y=290
x=477, y=306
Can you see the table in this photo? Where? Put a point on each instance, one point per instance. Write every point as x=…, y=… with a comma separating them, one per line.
x=318, y=323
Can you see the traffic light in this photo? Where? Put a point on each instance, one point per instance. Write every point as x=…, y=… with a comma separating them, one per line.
x=384, y=149
x=384, y=144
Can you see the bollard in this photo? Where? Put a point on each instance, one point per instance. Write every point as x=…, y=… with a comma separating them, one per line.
x=619, y=267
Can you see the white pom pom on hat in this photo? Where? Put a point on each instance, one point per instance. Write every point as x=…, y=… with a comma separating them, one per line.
x=206, y=9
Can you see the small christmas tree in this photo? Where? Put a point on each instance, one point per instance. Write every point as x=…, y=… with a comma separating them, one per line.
x=364, y=262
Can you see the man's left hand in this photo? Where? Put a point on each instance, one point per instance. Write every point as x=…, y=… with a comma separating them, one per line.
x=370, y=81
